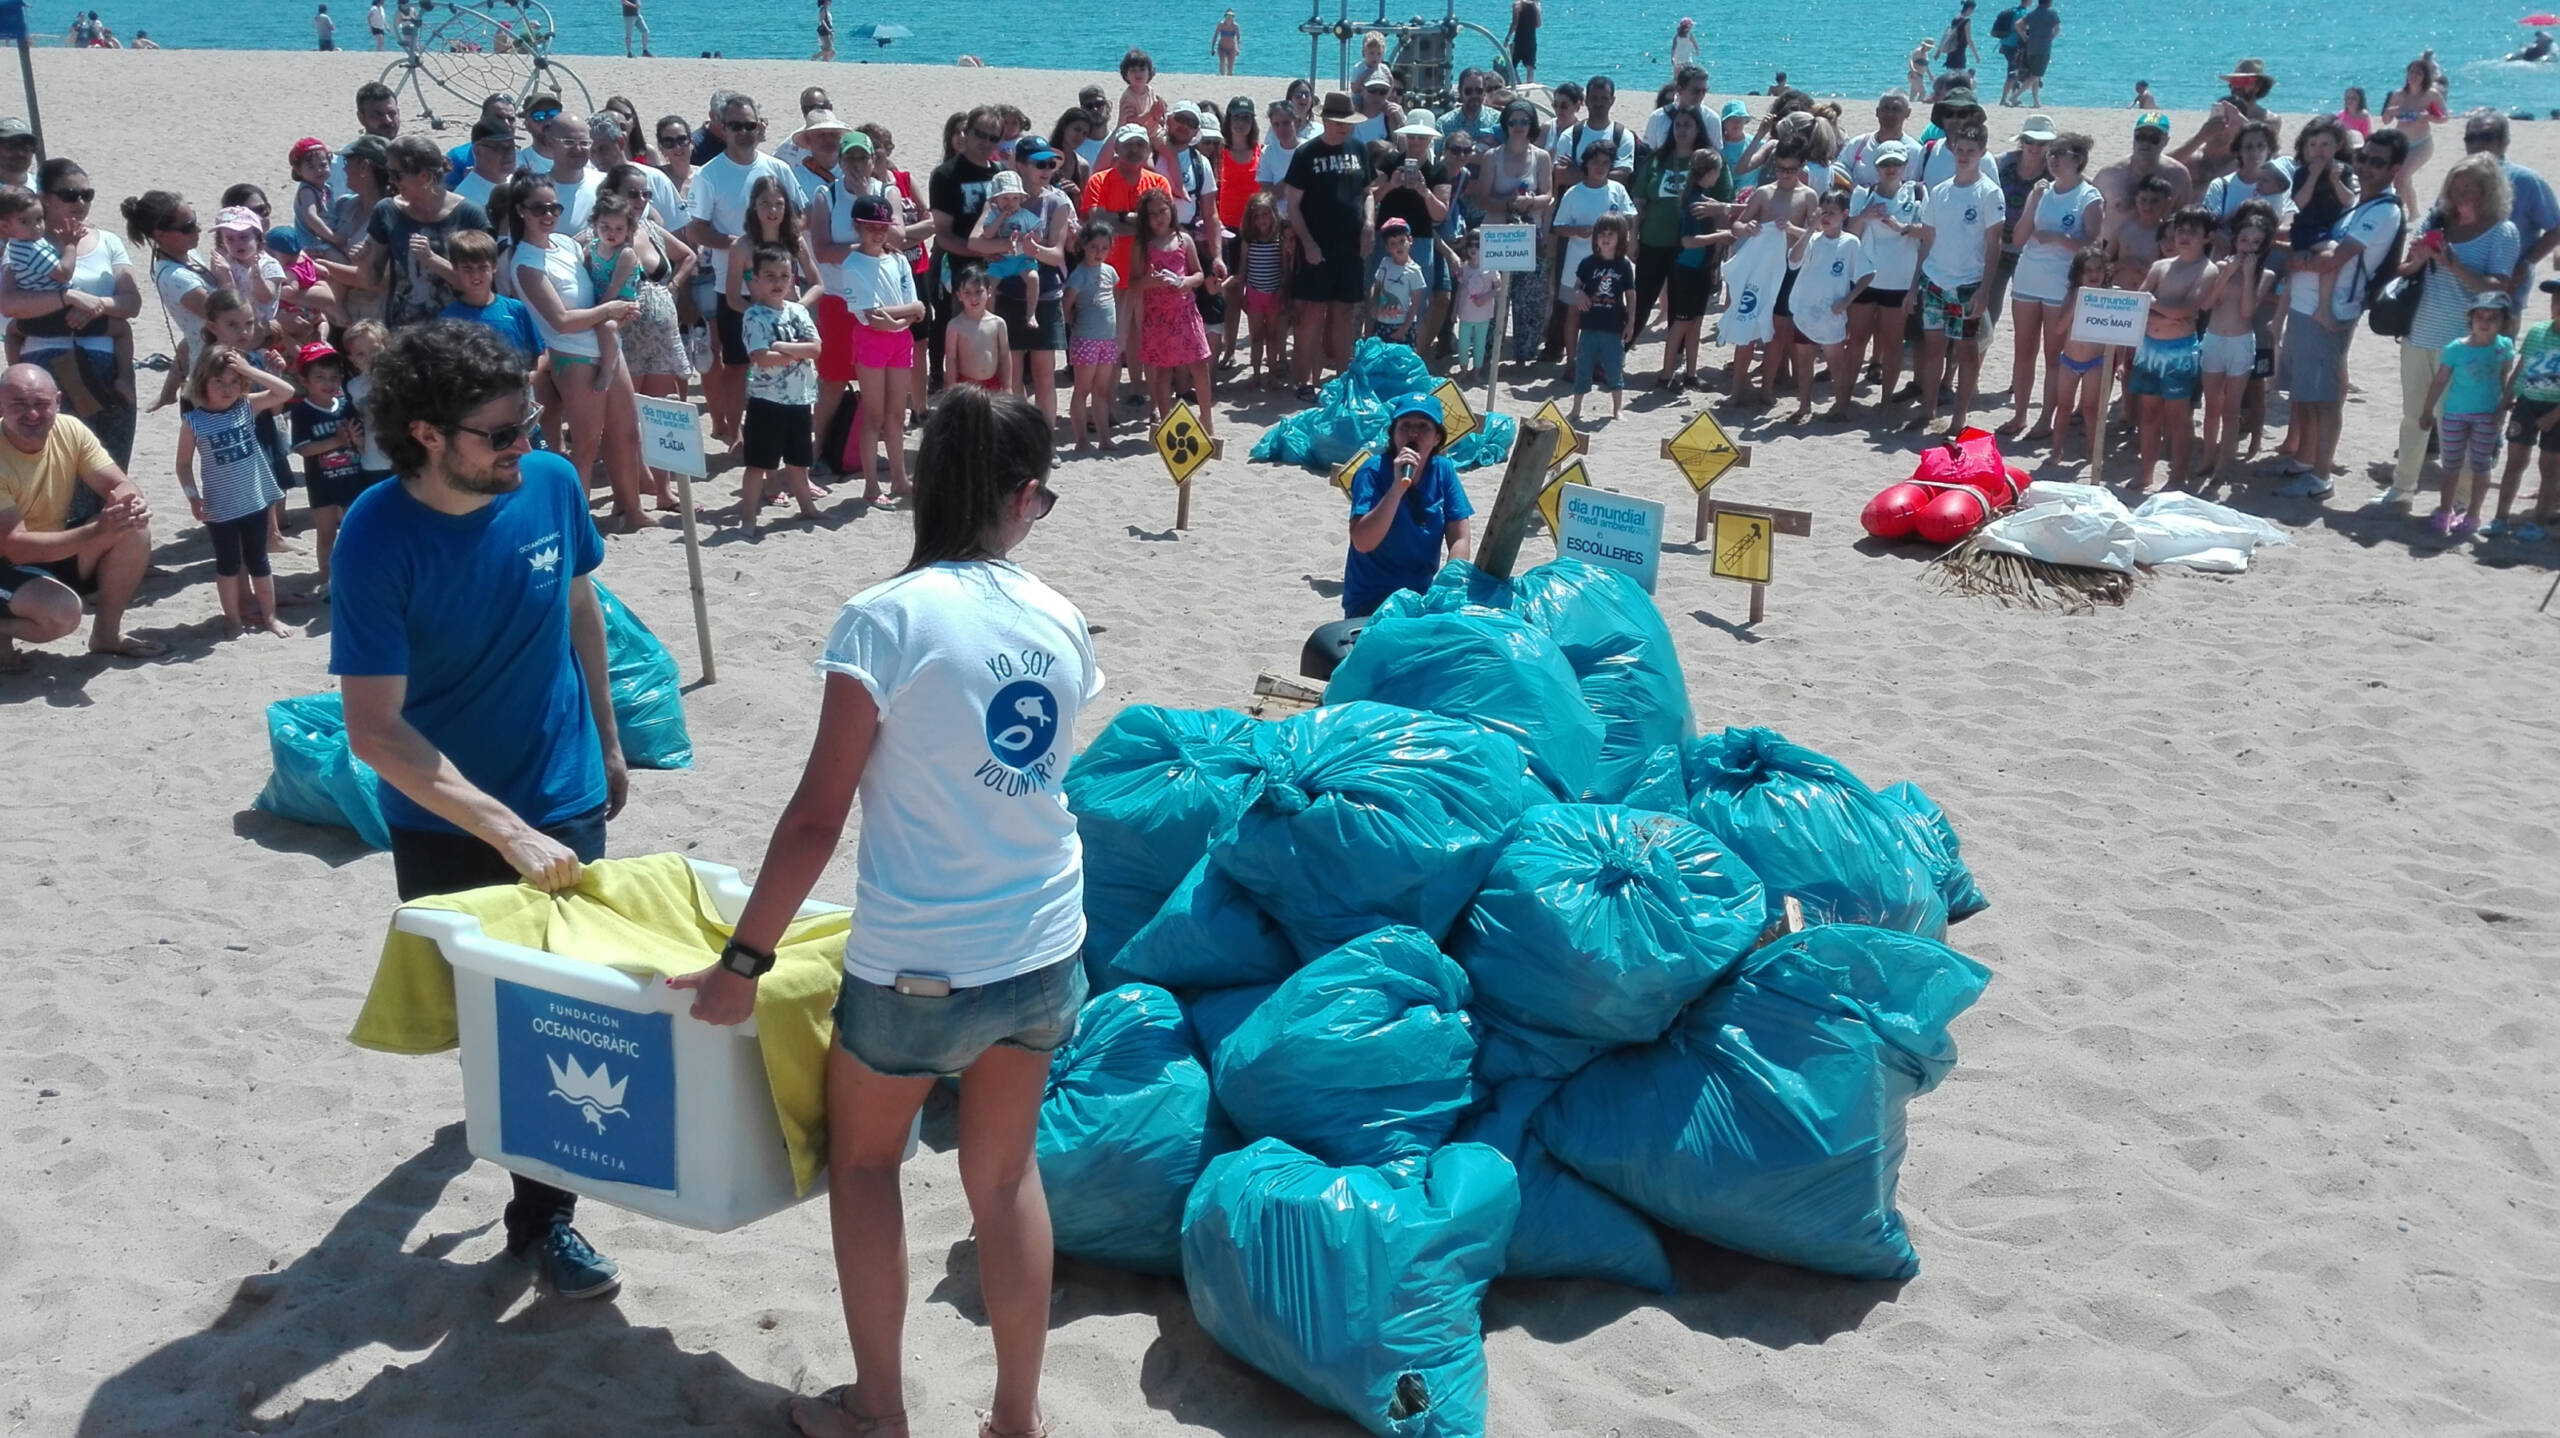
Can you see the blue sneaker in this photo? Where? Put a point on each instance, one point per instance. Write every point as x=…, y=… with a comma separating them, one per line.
x=572, y=1266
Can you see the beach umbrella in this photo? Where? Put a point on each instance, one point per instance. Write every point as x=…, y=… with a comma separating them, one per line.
x=882, y=33
x=2540, y=20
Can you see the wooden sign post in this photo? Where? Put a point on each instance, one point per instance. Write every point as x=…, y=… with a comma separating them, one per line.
x=2114, y=319
x=671, y=432
x=1504, y=250
x=1746, y=544
x=1704, y=452
x=1184, y=447
x=1515, y=502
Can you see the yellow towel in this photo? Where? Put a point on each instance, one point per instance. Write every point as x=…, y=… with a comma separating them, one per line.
x=644, y=916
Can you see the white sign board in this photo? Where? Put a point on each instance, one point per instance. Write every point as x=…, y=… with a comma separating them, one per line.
x=1615, y=531
x=2110, y=317
x=1509, y=248
x=671, y=436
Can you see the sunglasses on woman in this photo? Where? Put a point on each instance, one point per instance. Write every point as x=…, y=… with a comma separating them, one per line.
x=507, y=436
x=543, y=207
x=1048, y=499
x=75, y=197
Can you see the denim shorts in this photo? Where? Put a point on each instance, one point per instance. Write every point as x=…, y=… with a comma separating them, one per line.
x=904, y=1036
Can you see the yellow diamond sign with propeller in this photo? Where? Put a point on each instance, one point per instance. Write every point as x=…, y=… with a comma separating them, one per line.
x=1181, y=443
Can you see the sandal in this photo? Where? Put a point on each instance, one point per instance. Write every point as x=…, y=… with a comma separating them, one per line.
x=987, y=1429
x=834, y=1398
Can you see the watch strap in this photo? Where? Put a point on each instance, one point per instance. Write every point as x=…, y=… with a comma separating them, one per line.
x=744, y=961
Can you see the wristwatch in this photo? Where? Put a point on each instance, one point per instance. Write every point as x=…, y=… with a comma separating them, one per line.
x=743, y=961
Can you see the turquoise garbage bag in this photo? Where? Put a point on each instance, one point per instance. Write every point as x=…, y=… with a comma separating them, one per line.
x=1125, y=1130
x=1487, y=668
x=1814, y=831
x=1771, y=1119
x=1936, y=838
x=1147, y=793
x=1217, y=1014
x=1363, y=1056
x=1595, y=928
x=1351, y=412
x=648, y=693
x=1662, y=785
x=1210, y=934
x=1567, y=1228
x=314, y=778
x=1363, y=815
x=1609, y=631
x=1361, y=1288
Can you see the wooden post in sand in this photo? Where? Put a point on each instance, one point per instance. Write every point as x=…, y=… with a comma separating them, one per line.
x=1522, y=478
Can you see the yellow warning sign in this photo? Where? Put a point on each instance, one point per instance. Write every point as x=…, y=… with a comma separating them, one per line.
x=1551, y=498
x=1181, y=443
x=1456, y=420
x=1743, y=547
x=1568, y=443
x=1349, y=469
x=1703, y=451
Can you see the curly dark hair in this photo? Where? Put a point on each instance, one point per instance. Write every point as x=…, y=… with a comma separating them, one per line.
x=437, y=372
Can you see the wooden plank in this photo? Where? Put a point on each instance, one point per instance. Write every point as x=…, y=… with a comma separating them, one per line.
x=1517, y=501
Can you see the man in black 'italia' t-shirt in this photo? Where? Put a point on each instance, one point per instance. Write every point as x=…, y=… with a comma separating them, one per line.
x=1327, y=188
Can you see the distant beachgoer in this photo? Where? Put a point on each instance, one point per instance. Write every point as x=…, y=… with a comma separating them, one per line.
x=322, y=26
x=2037, y=30
x=1522, y=41
x=632, y=20
x=2143, y=99
x=1955, y=48
x=826, y=31
x=2414, y=109
x=142, y=41
x=1227, y=43
x=1915, y=78
x=2353, y=114
x=1684, y=44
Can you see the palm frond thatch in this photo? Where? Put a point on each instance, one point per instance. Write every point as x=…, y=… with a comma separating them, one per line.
x=1969, y=569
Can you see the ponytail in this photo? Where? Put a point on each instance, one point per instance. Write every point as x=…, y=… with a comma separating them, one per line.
x=979, y=450
x=147, y=214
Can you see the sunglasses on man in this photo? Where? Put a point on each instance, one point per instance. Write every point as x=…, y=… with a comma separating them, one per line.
x=508, y=436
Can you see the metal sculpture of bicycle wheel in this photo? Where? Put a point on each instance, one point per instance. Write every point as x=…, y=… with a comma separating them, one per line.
x=460, y=54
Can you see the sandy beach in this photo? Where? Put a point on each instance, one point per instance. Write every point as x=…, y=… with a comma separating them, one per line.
x=2250, y=1135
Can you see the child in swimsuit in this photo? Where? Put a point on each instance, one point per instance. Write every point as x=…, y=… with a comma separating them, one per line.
x=2167, y=370
x=615, y=272
x=2074, y=389
x=974, y=347
x=2229, y=357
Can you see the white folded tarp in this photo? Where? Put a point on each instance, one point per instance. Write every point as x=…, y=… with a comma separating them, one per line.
x=2088, y=527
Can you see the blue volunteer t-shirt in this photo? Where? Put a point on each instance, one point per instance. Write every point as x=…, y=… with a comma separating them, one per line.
x=1410, y=554
x=511, y=318
x=474, y=610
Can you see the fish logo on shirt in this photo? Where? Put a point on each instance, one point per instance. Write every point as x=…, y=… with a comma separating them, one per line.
x=1972, y=214
x=1022, y=729
x=544, y=560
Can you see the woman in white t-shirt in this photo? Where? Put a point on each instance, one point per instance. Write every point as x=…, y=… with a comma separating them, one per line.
x=552, y=280
x=952, y=692
x=2062, y=216
x=101, y=296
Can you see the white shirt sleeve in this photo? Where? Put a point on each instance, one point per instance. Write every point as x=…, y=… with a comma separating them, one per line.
x=859, y=650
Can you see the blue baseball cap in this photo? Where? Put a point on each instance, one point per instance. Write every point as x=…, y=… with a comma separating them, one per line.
x=1427, y=406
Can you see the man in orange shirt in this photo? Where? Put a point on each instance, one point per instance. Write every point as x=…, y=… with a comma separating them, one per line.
x=1112, y=192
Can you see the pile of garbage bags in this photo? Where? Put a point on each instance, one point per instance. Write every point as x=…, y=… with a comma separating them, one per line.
x=1484, y=969
x=1351, y=412
x=315, y=779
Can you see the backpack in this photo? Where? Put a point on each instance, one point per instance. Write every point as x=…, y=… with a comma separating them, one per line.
x=2005, y=24
x=2390, y=299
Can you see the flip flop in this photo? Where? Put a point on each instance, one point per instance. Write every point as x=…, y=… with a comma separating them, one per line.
x=834, y=1398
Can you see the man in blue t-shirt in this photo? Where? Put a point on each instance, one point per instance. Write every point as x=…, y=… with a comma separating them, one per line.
x=1406, y=504
x=469, y=649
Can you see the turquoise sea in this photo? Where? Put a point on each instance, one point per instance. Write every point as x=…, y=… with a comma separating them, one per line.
x=2314, y=50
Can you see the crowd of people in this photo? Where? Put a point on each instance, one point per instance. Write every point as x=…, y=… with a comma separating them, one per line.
x=820, y=290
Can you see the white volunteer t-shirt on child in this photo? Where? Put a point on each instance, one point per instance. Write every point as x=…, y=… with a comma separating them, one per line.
x=1959, y=217
x=968, y=866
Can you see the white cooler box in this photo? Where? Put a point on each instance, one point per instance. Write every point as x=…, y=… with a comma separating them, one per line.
x=600, y=1083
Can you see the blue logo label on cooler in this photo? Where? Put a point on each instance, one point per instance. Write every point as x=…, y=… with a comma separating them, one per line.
x=586, y=1088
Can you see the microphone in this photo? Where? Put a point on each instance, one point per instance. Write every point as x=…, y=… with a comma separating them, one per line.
x=1404, y=469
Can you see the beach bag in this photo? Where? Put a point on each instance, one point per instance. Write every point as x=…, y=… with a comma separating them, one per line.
x=1771, y=1120
x=1610, y=632
x=314, y=777
x=1125, y=1129
x=1936, y=839
x=1486, y=668
x=1357, y=816
x=2390, y=298
x=1147, y=793
x=1364, y=1056
x=648, y=692
x=1567, y=1228
x=1595, y=928
x=1358, y=1287
x=1210, y=934
x=1814, y=832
